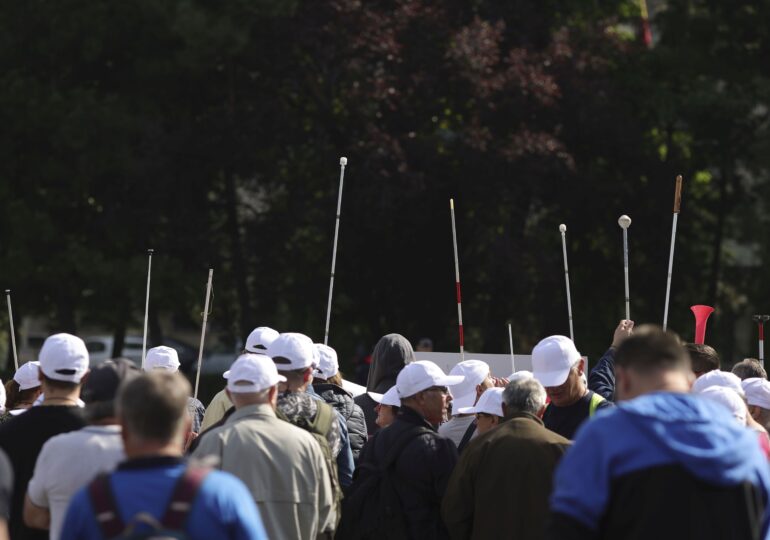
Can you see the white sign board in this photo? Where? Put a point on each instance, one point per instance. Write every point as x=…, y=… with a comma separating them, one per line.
x=500, y=364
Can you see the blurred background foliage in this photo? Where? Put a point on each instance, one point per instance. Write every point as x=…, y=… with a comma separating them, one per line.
x=211, y=132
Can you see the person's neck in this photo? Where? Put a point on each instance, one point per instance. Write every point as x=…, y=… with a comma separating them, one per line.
x=55, y=396
x=147, y=449
x=670, y=382
x=109, y=421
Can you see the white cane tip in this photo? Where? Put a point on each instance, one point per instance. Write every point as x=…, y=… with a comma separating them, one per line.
x=452, y=204
x=624, y=221
x=562, y=228
x=343, y=161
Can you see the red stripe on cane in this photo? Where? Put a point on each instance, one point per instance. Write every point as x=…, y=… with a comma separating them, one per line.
x=761, y=331
x=462, y=339
x=457, y=286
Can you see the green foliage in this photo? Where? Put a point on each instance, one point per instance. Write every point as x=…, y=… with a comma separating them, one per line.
x=211, y=133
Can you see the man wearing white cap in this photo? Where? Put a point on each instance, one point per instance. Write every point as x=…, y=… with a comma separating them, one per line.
x=758, y=399
x=415, y=458
x=388, y=405
x=166, y=358
x=257, y=342
x=327, y=383
x=23, y=390
x=558, y=366
x=282, y=465
x=295, y=356
x=477, y=378
x=63, y=366
x=488, y=410
x=506, y=471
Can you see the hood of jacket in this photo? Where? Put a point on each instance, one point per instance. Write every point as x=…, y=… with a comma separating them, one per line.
x=390, y=355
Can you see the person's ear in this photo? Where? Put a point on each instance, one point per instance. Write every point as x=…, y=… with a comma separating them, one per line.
x=541, y=412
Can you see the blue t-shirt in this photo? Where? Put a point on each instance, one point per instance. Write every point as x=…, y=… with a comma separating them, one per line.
x=223, y=507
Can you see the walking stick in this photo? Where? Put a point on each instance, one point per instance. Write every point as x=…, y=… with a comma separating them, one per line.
x=677, y=203
x=563, y=231
x=343, y=162
x=510, y=341
x=13, y=333
x=457, y=281
x=146, y=305
x=625, y=222
x=203, y=331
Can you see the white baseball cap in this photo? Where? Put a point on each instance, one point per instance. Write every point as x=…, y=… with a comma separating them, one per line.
x=464, y=394
x=388, y=398
x=28, y=375
x=757, y=392
x=729, y=398
x=490, y=402
x=161, y=358
x=64, y=357
x=293, y=351
x=260, y=339
x=328, y=366
x=718, y=377
x=552, y=359
x=254, y=372
x=519, y=375
x=421, y=375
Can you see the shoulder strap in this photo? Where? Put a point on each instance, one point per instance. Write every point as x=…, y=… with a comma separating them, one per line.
x=596, y=400
x=322, y=422
x=467, y=436
x=182, y=497
x=105, y=508
x=400, y=443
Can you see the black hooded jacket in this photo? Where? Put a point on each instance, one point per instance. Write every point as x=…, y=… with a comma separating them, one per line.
x=390, y=355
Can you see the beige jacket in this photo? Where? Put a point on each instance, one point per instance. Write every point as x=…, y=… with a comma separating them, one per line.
x=219, y=405
x=283, y=467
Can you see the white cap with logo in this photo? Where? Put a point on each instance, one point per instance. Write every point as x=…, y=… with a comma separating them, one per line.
x=161, y=358
x=552, y=360
x=251, y=373
x=464, y=394
x=328, y=365
x=757, y=392
x=260, y=339
x=490, y=402
x=388, y=398
x=27, y=376
x=421, y=375
x=717, y=377
x=292, y=351
x=64, y=357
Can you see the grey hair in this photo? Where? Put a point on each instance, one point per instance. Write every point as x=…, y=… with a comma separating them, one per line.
x=524, y=395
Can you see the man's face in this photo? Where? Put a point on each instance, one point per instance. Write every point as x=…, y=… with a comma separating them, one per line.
x=485, y=422
x=571, y=390
x=434, y=403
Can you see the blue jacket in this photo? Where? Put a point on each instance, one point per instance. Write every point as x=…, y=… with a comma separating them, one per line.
x=223, y=507
x=658, y=467
x=602, y=377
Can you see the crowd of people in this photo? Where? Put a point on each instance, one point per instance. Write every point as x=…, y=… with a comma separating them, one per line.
x=655, y=442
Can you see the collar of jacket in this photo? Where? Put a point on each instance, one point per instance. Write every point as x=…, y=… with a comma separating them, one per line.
x=407, y=414
x=260, y=409
x=525, y=415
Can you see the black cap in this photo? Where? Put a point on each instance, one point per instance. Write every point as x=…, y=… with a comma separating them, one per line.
x=104, y=380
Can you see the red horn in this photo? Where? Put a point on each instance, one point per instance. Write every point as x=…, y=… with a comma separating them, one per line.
x=701, y=317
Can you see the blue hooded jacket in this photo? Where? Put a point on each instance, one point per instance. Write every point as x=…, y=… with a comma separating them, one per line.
x=655, y=430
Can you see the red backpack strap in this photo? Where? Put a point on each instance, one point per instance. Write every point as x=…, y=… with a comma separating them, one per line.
x=105, y=509
x=182, y=498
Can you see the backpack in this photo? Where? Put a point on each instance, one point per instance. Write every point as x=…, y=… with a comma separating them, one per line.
x=170, y=527
x=372, y=508
x=318, y=428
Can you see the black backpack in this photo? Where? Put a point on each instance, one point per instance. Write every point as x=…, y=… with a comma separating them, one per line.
x=170, y=527
x=371, y=509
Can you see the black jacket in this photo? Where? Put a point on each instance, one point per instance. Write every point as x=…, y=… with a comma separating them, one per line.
x=342, y=400
x=391, y=354
x=421, y=472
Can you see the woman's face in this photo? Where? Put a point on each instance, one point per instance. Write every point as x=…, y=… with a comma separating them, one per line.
x=385, y=415
x=485, y=422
